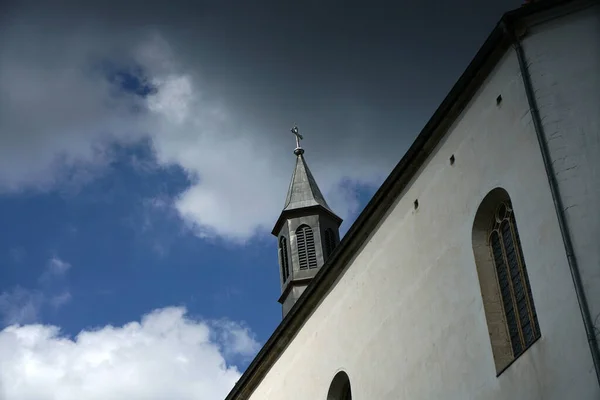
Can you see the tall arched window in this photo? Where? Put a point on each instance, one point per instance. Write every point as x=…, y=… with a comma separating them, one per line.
x=508, y=302
x=329, y=239
x=305, y=240
x=340, y=387
x=283, y=259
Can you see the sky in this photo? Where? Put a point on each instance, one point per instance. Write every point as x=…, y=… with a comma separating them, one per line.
x=145, y=154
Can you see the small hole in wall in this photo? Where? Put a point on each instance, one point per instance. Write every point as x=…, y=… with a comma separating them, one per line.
x=452, y=159
x=416, y=204
x=498, y=99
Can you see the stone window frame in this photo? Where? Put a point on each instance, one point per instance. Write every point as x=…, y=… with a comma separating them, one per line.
x=284, y=260
x=329, y=237
x=487, y=224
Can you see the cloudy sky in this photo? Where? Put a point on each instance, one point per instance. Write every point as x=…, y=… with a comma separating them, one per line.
x=145, y=153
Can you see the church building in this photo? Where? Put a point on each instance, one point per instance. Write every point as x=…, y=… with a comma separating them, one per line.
x=474, y=271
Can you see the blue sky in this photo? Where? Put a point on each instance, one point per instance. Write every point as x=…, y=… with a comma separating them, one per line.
x=101, y=243
x=109, y=251
x=132, y=256
x=121, y=252
x=129, y=254
x=145, y=154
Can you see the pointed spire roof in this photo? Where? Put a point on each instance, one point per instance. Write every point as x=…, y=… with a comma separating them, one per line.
x=303, y=191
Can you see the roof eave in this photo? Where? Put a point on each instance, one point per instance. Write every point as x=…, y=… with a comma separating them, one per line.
x=285, y=214
x=493, y=48
x=358, y=233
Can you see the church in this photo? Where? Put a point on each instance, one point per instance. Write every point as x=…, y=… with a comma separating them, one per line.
x=474, y=271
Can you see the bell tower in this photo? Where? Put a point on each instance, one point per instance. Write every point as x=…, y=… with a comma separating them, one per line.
x=307, y=231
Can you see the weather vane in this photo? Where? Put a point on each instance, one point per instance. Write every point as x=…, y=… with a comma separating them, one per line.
x=298, y=136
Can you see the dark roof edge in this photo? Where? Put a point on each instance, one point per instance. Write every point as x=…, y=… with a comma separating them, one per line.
x=492, y=50
x=294, y=211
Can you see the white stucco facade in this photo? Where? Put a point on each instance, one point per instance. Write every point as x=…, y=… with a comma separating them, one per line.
x=406, y=319
x=564, y=58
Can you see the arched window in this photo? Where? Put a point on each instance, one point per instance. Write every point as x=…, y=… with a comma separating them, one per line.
x=305, y=240
x=283, y=259
x=507, y=299
x=340, y=387
x=329, y=239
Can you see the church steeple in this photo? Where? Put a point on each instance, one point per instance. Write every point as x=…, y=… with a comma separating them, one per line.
x=307, y=231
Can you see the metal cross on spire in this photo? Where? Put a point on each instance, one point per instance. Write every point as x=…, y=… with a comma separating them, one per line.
x=298, y=150
x=298, y=136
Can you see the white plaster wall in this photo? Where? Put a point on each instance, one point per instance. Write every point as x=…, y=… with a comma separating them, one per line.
x=564, y=58
x=406, y=320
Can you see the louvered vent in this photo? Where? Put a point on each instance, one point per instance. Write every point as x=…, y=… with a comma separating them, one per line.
x=306, y=247
x=329, y=242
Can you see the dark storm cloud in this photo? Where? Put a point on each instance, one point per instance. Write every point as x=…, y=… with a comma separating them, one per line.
x=359, y=78
x=283, y=61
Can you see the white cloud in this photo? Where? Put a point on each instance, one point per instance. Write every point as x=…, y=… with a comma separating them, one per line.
x=236, y=339
x=56, y=266
x=60, y=299
x=20, y=306
x=59, y=118
x=54, y=273
x=58, y=114
x=165, y=356
x=24, y=305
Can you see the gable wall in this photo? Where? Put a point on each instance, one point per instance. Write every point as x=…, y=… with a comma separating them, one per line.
x=406, y=320
x=564, y=59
